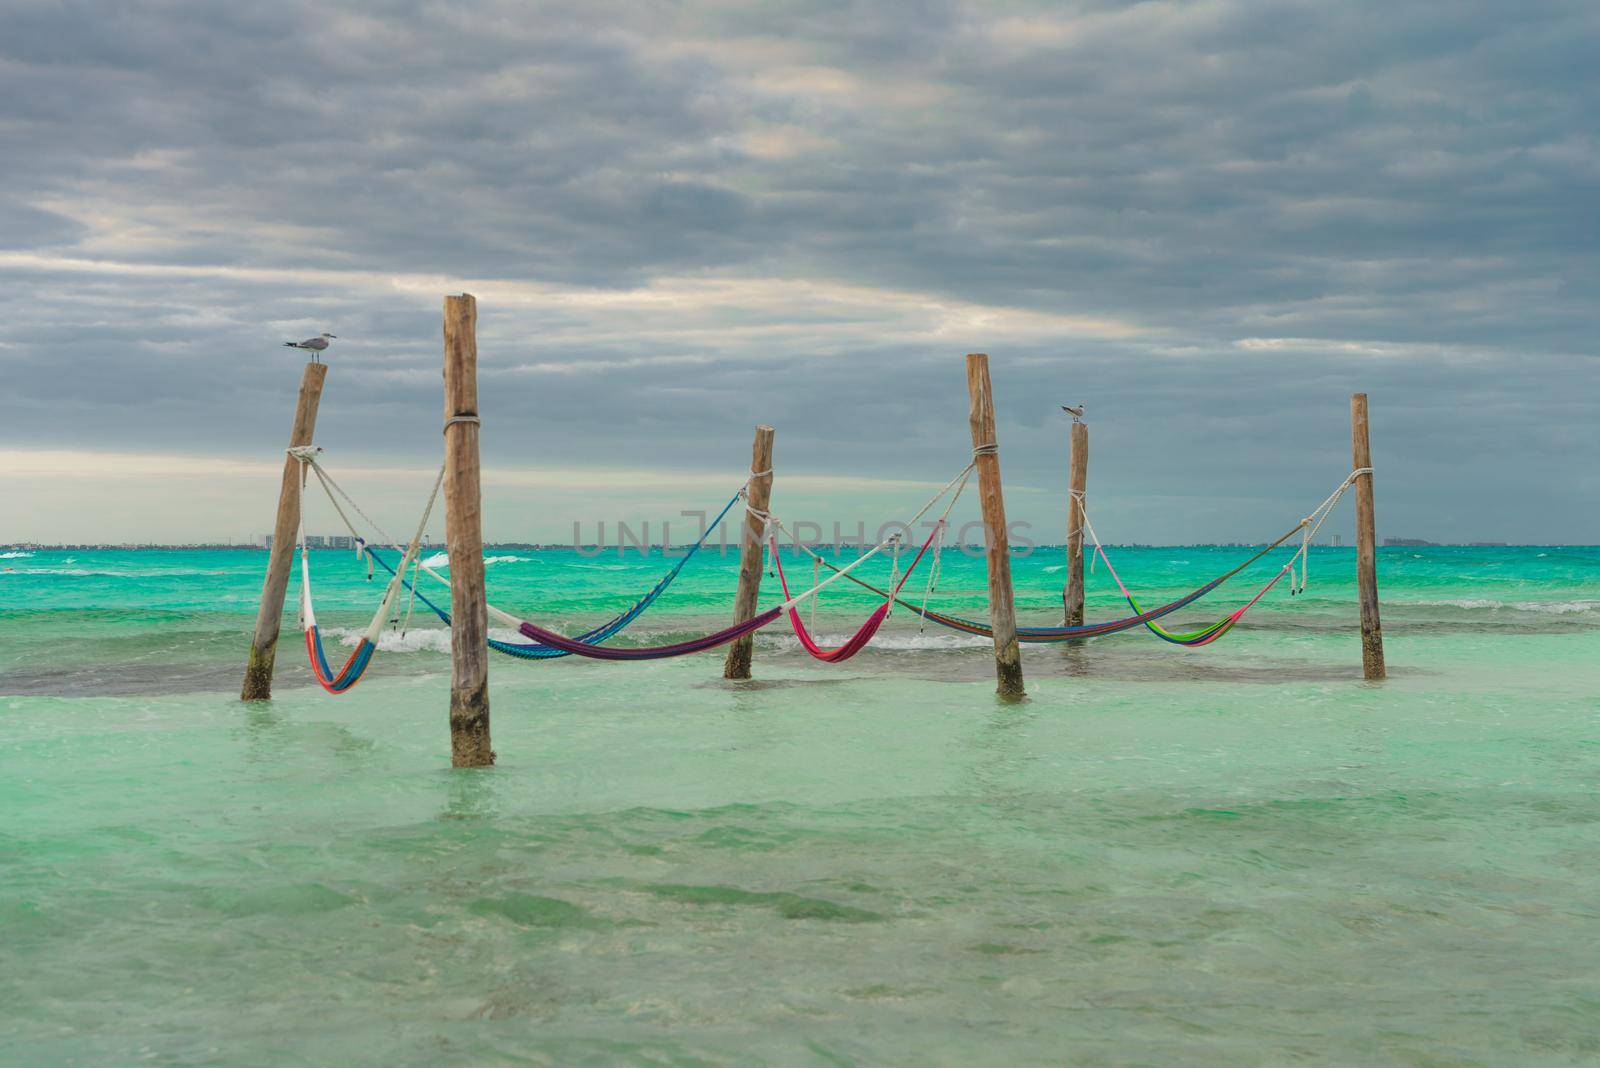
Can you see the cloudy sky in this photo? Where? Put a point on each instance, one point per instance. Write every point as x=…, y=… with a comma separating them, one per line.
x=1210, y=221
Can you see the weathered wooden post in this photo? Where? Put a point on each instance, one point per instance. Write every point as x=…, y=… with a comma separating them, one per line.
x=1078, y=466
x=1366, y=543
x=264, y=645
x=759, y=495
x=986, y=453
x=463, y=525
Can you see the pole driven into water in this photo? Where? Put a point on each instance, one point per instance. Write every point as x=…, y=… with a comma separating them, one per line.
x=463, y=524
x=264, y=645
x=1366, y=543
x=1077, y=479
x=737, y=665
x=985, y=450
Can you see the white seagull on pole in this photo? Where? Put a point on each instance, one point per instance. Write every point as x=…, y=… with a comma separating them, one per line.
x=312, y=345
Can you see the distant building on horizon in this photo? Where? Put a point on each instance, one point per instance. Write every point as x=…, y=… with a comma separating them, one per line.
x=1406, y=543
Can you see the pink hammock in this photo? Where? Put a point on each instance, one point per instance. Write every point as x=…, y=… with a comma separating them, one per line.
x=857, y=641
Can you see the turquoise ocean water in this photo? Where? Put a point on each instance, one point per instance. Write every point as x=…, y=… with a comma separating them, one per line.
x=1230, y=856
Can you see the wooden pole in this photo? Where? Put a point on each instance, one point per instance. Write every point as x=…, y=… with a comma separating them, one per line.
x=1078, y=478
x=463, y=524
x=1002, y=609
x=737, y=666
x=1366, y=543
x=264, y=645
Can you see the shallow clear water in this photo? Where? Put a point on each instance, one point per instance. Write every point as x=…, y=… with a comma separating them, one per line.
x=1236, y=855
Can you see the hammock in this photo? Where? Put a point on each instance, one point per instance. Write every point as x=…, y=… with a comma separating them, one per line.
x=356, y=666
x=857, y=641
x=648, y=652
x=1204, y=636
x=1088, y=630
x=615, y=625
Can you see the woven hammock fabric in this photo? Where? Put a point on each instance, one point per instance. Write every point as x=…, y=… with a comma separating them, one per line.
x=1204, y=636
x=347, y=676
x=650, y=652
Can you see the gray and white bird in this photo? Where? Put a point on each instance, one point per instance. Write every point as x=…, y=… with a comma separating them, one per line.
x=1076, y=413
x=312, y=345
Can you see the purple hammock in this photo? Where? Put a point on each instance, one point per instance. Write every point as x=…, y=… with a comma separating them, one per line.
x=649, y=652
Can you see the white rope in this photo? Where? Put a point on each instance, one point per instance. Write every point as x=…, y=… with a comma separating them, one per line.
x=454, y=419
x=774, y=523
x=1308, y=532
x=933, y=576
x=768, y=517
x=936, y=565
x=411, y=602
x=1313, y=523
x=308, y=459
x=837, y=575
x=961, y=479
x=816, y=576
x=894, y=576
x=990, y=449
x=411, y=551
x=408, y=551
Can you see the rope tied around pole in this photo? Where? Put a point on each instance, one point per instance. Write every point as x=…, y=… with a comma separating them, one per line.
x=454, y=419
x=990, y=449
x=752, y=512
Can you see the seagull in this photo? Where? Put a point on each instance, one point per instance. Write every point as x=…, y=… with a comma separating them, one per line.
x=1076, y=413
x=312, y=345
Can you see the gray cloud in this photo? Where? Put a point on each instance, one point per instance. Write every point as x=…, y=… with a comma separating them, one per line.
x=1210, y=221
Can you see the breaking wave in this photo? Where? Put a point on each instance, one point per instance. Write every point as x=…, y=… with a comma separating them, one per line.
x=417, y=640
x=438, y=560
x=1549, y=608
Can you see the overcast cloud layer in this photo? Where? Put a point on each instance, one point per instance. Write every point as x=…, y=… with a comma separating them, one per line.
x=1210, y=221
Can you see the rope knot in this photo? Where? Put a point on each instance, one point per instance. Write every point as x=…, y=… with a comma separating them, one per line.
x=305, y=453
x=454, y=419
x=990, y=449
